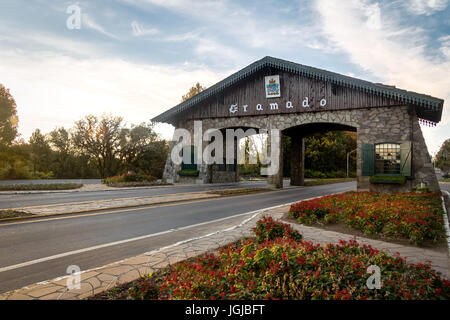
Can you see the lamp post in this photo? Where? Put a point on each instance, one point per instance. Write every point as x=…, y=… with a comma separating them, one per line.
x=348, y=156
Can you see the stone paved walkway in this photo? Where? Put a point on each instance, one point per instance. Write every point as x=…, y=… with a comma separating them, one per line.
x=100, y=279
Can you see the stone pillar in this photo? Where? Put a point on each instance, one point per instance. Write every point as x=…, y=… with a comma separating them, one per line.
x=236, y=162
x=422, y=167
x=297, y=161
x=170, y=168
x=276, y=180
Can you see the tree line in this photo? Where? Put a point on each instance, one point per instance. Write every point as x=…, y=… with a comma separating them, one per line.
x=95, y=147
x=99, y=147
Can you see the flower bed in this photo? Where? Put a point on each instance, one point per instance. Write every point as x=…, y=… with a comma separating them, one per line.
x=278, y=265
x=414, y=216
x=129, y=177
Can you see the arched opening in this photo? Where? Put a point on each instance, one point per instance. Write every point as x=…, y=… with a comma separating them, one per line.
x=319, y=150
x=241, y=160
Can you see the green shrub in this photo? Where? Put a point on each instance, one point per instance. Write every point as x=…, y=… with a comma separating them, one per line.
x=424, y=189
x=286, y=269
x=414, y=216
x=45, y=186
x=323, y=175
x=129, y=177
x=268, y=229
x=19, y=170
x=388, y=179
x=188, y=173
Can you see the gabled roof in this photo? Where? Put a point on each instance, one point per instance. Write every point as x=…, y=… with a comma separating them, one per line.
x=430, y=107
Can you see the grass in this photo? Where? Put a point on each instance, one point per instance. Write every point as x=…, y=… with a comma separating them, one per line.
x=239, y=192
x=137, y=184
x=444, y=180
x=317, y=182
x=8, y=213
x=33, y=187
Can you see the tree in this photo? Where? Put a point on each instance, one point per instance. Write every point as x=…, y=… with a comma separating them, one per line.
x=100, y=139
x=135, y=143
x=61, y=143
x=8, y=117
x=327, y=151
x=196, y=89
x=153, y=158
x=41, y=153
x=443, y=156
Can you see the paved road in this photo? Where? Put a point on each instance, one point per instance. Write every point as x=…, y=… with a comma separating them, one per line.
x=33, y=199
x=26, y=241
x=445, y=186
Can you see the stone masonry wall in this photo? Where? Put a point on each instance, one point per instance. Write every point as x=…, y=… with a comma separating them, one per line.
x=373, y=125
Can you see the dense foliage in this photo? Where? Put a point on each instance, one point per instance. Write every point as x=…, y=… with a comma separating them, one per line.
x=287, y=268
x=388, y=179
x=414, y=216
x=95, y=147
x=442, y=159
x=46, y=186
x=327, y=153
x=129, y=177
x=8, y=117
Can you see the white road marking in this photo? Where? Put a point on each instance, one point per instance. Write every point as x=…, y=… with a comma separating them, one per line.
x=69, y=253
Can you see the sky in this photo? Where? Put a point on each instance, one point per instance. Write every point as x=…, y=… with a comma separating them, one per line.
x=136, y=58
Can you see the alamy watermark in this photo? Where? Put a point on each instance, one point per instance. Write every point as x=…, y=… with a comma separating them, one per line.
x=74, y=279
x=74, y=20
x=208, y=147
x=374, y=281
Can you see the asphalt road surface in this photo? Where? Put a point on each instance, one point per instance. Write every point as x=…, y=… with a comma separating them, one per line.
x=34, y=199
x=28, y=247
x=445, y=186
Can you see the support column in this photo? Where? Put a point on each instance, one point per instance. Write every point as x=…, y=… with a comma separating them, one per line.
x=297, y=161
x=276, y=180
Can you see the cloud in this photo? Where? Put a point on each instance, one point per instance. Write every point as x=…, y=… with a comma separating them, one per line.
x=389, y=52
x=56, y=90
x=426, y=7
x=445, y=46
x=34, y=41
x=231, y=33
x=373, y=16
x=88, y=22
x=140, y=30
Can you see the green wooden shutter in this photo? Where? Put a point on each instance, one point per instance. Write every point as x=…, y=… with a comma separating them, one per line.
x=405, y=159
x=189, y=158
x=368, y=159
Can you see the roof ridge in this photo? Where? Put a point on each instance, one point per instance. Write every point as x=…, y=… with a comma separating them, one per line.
x=426, y=101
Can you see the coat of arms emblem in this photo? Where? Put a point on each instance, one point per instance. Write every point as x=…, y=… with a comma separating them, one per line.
x=272, y=86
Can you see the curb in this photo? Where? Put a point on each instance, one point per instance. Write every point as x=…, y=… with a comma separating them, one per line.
x=112, y=188
x=446, y=224
x=109, y=208
x=213, y=196
x=251, y=216
x=78, y=190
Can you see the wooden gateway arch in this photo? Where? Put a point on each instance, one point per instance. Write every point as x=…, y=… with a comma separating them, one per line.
x=299, y=100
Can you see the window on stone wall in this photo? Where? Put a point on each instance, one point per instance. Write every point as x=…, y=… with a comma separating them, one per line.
x=387, y=158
